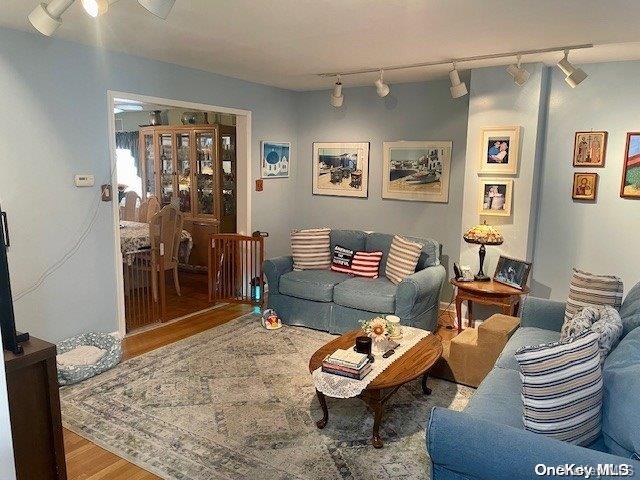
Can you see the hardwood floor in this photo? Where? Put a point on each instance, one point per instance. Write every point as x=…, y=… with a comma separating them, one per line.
x=88, y=461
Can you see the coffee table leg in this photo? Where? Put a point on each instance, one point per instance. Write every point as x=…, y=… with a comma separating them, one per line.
x=325, y=412
x=426, y=390
x=378, y=410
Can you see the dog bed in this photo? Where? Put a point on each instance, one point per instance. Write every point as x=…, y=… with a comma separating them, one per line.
x=87, y=355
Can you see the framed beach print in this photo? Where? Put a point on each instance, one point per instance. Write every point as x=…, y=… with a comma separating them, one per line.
x=589, y=149
x=276, y=158
x=630, y=187
x=499, y=150
x=417, y=171
x=341, y=169
x=495, y=197
x=585, y=186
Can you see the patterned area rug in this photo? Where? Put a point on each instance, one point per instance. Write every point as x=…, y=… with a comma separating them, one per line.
x=237, y=402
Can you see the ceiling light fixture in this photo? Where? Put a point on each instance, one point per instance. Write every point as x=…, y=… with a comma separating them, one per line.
x=46, y=17
x=519, y=74
x=95, y=8
x=337, y=98
x=574, y=75
x=160, y=8
x=381, y=87
x=458, y=88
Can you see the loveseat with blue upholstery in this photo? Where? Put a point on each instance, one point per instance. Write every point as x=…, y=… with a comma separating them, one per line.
x=336, y=302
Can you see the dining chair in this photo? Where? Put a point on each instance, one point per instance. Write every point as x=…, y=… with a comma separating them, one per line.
x=165, y=228
x=131, y=201
x=153, y=207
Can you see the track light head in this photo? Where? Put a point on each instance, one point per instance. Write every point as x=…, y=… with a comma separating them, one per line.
x=46, y=17
x=381, y=87
x=337, y=98
x=458, y=88
x=519, y=74
x=160, y=8
x=95, y=8
x=574, y=75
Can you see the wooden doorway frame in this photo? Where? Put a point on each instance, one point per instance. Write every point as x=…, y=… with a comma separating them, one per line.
x=244, y=173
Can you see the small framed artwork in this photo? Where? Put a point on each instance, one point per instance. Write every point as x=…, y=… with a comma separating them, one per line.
x=630, y=187
x=416, y=171
x=341, y=169
x=512, y=272
x=585, y=186
x=589, y=149
x=276, y=159
x=499, y=150
x=495, y=197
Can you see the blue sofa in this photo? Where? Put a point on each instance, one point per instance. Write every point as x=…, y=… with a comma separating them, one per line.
x=488, y=441
x=335, y=302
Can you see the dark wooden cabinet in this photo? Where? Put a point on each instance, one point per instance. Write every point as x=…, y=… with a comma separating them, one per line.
x=34, y=410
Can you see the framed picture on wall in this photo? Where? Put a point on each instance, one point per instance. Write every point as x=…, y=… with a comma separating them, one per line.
x=630, y=186
x=495, y=197
x=499, y=150
x=585, y=186
x=416, y=171
x=341, y=169
x=276, y=159
x=589, y=149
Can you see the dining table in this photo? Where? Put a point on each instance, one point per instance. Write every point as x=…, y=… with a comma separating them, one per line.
x=134, y=236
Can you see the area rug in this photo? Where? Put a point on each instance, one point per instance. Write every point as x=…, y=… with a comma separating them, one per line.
x=237, y=402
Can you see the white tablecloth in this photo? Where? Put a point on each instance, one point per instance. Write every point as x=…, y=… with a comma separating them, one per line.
x=135, y=236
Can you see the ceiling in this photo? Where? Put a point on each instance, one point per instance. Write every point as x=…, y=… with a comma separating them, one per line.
x=285, y=43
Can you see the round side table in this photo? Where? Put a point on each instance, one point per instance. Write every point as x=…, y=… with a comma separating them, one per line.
x=506, y=298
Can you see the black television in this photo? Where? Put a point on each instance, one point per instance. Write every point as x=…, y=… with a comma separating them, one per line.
x=11, y=339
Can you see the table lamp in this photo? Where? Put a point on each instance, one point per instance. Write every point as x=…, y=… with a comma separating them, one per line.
x=484, y=235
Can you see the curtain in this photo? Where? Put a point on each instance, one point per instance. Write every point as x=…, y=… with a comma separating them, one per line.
x=129, y=141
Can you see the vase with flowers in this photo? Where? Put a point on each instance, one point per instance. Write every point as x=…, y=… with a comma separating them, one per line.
x=379, y=330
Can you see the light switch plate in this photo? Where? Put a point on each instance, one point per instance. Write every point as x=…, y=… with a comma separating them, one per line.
x=84, y=180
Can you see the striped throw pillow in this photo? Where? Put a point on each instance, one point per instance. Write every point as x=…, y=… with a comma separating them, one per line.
x=360, y=264
x=587, y=289
x=562, y=388
x=310, y=249
x=402, y=259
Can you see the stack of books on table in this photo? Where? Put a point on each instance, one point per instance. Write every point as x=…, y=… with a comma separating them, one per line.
x=347, y=363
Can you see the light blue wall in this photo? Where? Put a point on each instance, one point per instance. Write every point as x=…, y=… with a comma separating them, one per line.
x=602, y=236
x=414, y=111
x=53, y=124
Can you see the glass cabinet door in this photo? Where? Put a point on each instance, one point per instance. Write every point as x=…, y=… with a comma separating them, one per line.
x=228, y=163
x=184, y=171
x=149, y=187
x=205, y=186
x=166, y=168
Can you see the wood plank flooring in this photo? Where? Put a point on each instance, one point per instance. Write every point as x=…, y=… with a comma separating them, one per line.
x=88, y=461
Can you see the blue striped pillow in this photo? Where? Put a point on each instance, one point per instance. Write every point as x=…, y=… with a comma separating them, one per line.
x=562, y=388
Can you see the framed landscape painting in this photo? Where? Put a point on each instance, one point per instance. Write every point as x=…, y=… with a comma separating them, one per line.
x=499, y=150
x=585, y=186
x=276, y=157
x=630, y=187
x=495, y=197
x=589, y=149
x=416, y=171
x=341, y=169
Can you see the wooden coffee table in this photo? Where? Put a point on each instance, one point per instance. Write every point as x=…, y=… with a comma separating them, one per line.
x=411, y=365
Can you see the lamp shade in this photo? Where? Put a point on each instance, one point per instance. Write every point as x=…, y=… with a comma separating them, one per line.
x=483, y=234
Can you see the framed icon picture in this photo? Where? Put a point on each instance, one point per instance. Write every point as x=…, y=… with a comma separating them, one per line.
x=589, y=149
x=276, y=159
x=499, y=150
x=341, y=169
x=630, y=187
x=495, y=197
x=416, y=171
x=585, y=186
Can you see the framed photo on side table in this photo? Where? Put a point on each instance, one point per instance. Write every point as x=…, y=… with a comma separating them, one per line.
x=585, y=186
x=630, y=187
x=341, y=169
x=512, y=272
x=589, y=149
x=495, y=197
x=499, y=150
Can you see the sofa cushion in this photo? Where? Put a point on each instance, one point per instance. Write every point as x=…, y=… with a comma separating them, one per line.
x=310, y=249
x=314, y=285
x=373, y=295
x=602, y=319
x=588, y=289
x=630, y=310
x=620, y=417
x=523, y=337
x=351, y=239
x=429, y=256
x=498, y=399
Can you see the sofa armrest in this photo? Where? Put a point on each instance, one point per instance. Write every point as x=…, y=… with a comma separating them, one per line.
x=541, y=313
x=274, y=268
x=420, y=292
x=473, y=448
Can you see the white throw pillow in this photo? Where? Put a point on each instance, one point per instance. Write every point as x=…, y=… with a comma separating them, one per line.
x=603, y=320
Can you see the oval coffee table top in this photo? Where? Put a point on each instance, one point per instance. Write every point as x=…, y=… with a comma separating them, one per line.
x=411, y=365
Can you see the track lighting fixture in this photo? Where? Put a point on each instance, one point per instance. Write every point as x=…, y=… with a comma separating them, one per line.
x=458, y=88
x=337, y=98
x=95, y=8
x=46, y=17
x=160, y=8
x=520, y=74
x=574, y=75
x=381, y=87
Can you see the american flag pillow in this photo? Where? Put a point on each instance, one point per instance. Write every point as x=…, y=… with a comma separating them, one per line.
x=360, y=264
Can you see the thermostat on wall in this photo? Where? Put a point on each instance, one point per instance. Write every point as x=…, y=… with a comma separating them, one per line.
x=84, y=180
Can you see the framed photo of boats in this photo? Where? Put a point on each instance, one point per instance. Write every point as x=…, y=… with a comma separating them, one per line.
x=416, y=171
x=341, y=169
x=499, y=150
